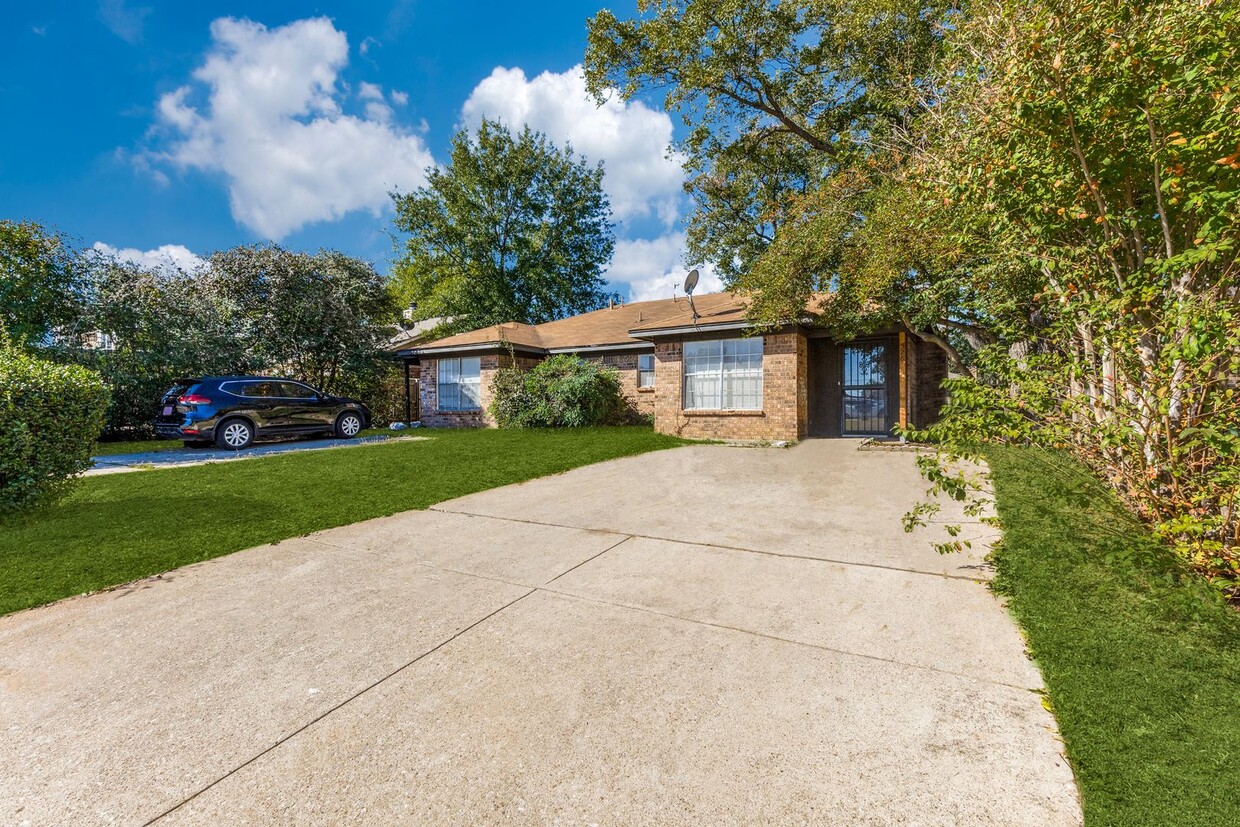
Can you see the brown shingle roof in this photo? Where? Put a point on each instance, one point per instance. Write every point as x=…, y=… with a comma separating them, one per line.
x=712, y=309
x=513, y=333
x=610, y=326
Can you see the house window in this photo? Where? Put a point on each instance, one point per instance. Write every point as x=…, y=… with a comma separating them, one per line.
x=724, y=374
x=460, y=384
x=645, y=370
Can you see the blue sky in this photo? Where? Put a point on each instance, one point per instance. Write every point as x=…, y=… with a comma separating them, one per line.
x=190, y=127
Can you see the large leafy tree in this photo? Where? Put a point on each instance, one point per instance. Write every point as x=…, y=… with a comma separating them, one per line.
x=161, y=323
x=319, y=317
x=782, y=99
x=512, y=229
x=1094, y=147
x=42, y=282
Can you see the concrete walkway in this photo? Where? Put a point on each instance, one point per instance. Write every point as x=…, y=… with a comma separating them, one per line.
x=708, y=635
x=182, y=457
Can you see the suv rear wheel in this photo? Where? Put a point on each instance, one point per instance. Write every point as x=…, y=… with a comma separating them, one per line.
x=348, y=425
x=234, y=434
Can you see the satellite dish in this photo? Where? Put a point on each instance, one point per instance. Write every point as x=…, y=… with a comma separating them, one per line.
x=691, y=281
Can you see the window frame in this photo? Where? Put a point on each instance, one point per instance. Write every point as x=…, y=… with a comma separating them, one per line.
x=475, y=404
x=641, y=371
x=727, y=379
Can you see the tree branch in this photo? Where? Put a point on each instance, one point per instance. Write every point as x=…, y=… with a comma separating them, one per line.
x=775, y=112
x=953, y=355
x=1162, y=210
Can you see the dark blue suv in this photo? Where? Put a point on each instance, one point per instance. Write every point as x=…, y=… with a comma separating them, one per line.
x=233, y=411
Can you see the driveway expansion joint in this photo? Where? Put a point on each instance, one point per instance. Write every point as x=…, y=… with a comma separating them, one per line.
x=286, y=738
x=817, y=646
x=545, y=588
x=591, y=558
x=785, y=555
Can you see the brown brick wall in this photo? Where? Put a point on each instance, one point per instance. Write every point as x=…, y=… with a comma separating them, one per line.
x=432, y=417
x=928, y=369
x=785, y=391
x=625, y=364
x=784, y=395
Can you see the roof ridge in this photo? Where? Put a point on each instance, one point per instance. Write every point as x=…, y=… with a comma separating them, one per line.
x=605, y=327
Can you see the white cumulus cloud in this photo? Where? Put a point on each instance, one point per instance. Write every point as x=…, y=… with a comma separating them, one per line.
x=165, y=258
x=264, y=111
x=631, y=139
x=654, y=268
x=125, y=22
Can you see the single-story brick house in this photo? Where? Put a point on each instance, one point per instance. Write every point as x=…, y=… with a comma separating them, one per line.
x=705, y=377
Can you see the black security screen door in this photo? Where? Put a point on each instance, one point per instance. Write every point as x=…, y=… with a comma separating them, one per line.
x=865, y=390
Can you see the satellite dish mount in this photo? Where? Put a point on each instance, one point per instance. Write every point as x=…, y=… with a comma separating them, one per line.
x=691, y=281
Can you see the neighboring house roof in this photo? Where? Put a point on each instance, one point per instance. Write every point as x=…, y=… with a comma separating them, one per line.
x=407, y=337
x=510, y=333
x=622, y=325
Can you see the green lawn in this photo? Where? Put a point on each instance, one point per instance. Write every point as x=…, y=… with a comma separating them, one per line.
x=1142, y=663
x=117, y=528
x=144, y=446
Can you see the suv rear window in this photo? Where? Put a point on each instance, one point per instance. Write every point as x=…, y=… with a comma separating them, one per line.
x=179, y=389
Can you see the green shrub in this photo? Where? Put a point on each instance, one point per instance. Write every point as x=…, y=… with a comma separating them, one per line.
x=379, y=382
x=560, y=392
x=135, y=382
x=50, y=416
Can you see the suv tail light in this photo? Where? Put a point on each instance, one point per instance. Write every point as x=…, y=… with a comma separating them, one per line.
x=193, y=399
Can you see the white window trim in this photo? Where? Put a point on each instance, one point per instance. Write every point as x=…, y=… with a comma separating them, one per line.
x=723, y=377
x=440, y=384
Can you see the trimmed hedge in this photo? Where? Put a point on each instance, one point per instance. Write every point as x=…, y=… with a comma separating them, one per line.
x=560, y=392
x=50, y=416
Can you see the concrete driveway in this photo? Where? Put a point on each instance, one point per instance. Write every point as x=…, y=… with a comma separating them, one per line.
x=708, y=635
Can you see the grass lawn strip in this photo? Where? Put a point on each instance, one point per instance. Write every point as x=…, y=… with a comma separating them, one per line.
x=121, y=527
x=1141, y=662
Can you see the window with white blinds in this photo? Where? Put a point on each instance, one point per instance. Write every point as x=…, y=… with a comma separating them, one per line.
x=460, y=384
x=724, y=374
